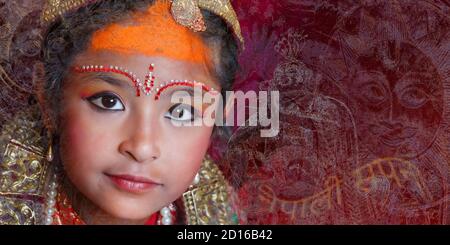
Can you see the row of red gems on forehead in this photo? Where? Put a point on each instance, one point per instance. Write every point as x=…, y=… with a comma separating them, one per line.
x=148, y=86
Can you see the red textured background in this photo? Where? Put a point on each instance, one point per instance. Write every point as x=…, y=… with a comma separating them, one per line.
x=364, y=112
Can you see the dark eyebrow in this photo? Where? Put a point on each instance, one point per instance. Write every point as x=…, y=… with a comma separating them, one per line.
x=186, y=85
x=175, y=89
x=178, y=88
x=118, y=82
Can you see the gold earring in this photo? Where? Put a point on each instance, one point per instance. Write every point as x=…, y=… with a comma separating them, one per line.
x=50, y=150
x=196, y=179
x=208, y=201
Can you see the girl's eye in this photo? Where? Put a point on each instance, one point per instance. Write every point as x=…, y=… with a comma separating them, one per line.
x=107, y=102
x=182, y=112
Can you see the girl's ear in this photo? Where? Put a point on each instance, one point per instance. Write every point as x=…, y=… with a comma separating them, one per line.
x=39, y=88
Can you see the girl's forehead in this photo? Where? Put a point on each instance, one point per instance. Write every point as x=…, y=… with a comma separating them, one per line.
x=139, y=64
x=153, y=32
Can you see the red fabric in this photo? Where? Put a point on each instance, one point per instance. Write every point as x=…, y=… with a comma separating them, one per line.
x=153, y=219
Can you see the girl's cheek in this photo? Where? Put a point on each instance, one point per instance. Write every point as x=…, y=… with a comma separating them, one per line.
x=74, y=136
x=78, y=127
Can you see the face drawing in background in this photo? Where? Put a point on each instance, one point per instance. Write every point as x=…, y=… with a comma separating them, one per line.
x=398, y=101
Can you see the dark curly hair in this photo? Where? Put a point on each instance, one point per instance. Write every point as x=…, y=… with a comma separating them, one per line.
x=70, y=35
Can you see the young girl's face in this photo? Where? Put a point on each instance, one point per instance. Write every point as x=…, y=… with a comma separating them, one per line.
x=123, y=152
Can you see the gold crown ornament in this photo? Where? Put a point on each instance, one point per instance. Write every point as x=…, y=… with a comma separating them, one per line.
x=185, y=12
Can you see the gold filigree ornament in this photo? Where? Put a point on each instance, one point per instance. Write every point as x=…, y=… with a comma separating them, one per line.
x=185, y=12
x=23, y=171
x=209, y=202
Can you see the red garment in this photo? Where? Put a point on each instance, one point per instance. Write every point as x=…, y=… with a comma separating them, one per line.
x=153, y=219
x=66, y=215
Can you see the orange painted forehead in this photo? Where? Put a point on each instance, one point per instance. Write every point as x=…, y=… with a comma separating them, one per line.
x=152, y=33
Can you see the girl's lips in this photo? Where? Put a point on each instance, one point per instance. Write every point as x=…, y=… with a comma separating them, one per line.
x=132, y=183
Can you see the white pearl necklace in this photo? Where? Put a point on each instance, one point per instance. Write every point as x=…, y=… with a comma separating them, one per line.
x=166, y=215
x=51, y=200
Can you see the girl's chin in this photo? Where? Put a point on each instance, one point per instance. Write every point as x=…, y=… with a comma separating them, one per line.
x=127, y=215
x=128, y=211
x=135, y=218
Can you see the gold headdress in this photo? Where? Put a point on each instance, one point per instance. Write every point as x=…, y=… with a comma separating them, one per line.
x=185, y=12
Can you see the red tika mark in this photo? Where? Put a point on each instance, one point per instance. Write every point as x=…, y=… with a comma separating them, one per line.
x=149, y=82
x=182, y=83
x=110, y=69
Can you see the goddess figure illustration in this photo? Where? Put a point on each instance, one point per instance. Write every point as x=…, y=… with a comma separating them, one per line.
x=363, y=113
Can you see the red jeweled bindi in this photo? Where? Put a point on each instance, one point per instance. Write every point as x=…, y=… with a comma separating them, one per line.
x=148, y=86
x=149, y=81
